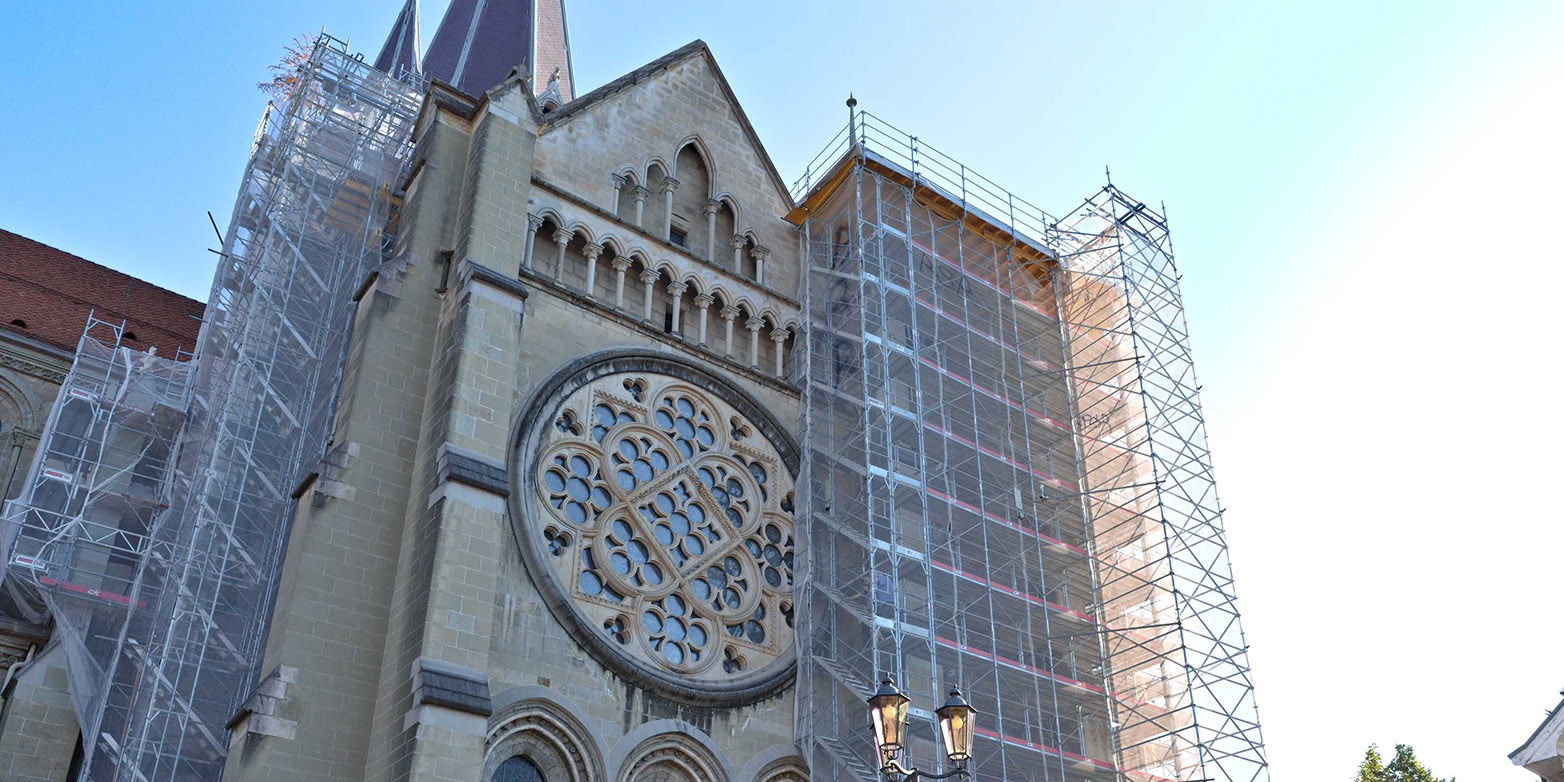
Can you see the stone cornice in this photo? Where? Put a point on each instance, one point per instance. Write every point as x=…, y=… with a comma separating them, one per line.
x=49, y=366
x=473, y=270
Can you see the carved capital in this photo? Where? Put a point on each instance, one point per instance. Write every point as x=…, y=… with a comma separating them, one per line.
x=670, y=184
x=712, y=207
x=534, y=222
x=562, y=236
x=729, y=312
x=620, y=263
x=754, y=324
x=677, y=288
x=591, y=251
x=640, y=194
x=759, y=253
x=737, y=241
x=704, y=300
x=649, y=276
x=619, y=181
x=779, y=336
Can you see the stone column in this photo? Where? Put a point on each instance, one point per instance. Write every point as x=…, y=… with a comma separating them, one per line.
x=620, y=263
x=640, y=194
x=534, y=224
x=754, y=324
x=619, y=186
x=648, y=277
x=760, y=254
x=669, y=185
x=702, y=302
x=592, y=251
x=737, y=243
x=561, y=238
x=676, y=290
x=711, y=230
x=727, y=314
x=779, y=336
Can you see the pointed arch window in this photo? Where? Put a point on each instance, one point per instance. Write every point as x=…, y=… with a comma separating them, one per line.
x=517, y=769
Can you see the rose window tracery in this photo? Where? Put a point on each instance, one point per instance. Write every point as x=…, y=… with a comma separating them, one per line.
x=669, y=525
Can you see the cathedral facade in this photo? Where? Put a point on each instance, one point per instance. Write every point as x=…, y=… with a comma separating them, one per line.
x=560, y=535
x=540, y=434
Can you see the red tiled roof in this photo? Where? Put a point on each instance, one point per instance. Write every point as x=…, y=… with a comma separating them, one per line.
x=52, y=291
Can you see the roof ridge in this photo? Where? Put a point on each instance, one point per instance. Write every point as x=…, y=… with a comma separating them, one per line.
x=583, y=102
x=679, y=55
x=109, y=269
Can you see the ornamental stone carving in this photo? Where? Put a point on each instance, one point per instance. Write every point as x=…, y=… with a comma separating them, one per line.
x=662, y=520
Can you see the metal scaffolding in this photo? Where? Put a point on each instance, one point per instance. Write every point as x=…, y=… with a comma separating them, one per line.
x=99, y=486
x=157, y=678
x=1006, y=483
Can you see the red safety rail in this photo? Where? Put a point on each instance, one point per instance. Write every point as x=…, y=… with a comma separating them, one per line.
x=1012, y=525
x=1059, y=753
x=1001, y=457
x=980, y=280
x=89, y=591
x=1043, y=419
x=1006, y=345
x=1033, y=599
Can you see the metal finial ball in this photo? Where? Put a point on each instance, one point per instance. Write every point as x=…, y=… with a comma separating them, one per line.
x=851, y=101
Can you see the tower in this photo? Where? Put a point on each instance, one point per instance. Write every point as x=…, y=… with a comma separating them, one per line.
x=401, y=53
x=479, y=42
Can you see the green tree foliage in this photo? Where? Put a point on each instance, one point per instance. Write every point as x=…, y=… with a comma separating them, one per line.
x=1372, y=769
x=1403, y=767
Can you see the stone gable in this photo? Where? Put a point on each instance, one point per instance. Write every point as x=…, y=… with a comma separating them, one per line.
x=644, y=125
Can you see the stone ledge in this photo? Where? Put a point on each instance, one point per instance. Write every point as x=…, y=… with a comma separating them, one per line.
x=323, y=481
x=259, y=714
x=464, y=466
x=473, y=270
x=439, y=683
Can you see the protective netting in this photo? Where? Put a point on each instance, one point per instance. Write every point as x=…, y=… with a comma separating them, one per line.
x=164, y=608
x=98, y=487
x=1005, y=485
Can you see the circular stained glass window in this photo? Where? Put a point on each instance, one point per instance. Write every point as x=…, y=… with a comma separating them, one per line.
x=668, y=527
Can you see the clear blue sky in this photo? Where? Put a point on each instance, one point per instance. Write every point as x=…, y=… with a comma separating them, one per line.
x=1363, y=198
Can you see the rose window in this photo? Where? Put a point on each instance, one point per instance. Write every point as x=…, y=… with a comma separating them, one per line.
x=668, y=524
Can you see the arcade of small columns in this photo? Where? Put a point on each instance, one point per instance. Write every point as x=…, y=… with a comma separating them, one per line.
x=742, y=247
x=597, y=269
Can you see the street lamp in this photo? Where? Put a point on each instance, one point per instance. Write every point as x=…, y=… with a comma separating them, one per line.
x=955, y=727
x=888, y=716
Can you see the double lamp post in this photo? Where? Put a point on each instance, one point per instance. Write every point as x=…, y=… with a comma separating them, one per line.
x=888, y=716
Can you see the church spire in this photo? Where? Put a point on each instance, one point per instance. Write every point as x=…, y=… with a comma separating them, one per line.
x=400, y=54
x=479, y=42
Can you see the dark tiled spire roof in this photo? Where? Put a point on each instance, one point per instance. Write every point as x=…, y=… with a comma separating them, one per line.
x=479, y=42
x=400, y=54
